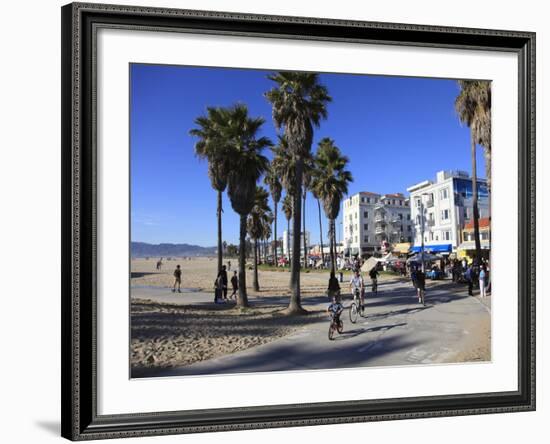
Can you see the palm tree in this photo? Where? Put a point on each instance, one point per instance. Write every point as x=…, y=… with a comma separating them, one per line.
x=320, y=223
x=330, y=183
x=247, y=165
x=213, y=147
x=275, y=188
x=473, y=106
x=306, y=184
x=288, y=203
x=259, y=216
x=298, y=104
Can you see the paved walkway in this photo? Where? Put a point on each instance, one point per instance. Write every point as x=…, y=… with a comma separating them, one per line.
x=396, y=331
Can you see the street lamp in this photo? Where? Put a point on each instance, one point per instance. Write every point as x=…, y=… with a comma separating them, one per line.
x=422, y=230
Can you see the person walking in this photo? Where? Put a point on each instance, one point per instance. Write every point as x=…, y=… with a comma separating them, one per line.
x=421, y=286
x=228, y=265
x=222, y=285
x=470, y=276
x=482, y=281
x=177, y=279
x=235, y=285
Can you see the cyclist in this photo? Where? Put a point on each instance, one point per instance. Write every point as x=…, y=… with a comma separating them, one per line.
x=357, y=286
x=335, y=308
x=373, y=274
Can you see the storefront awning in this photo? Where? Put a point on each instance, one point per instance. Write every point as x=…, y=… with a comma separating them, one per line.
x=444, y=248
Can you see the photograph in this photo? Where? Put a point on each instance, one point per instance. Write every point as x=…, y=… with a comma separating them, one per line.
x=301, y=221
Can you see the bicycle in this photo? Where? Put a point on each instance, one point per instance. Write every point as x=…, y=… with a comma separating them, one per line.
x=357, y=307
x=336, y=324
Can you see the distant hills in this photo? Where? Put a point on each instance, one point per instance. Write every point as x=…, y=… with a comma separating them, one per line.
x=142, y=249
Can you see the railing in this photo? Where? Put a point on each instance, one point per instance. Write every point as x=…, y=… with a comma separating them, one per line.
x=379, y=230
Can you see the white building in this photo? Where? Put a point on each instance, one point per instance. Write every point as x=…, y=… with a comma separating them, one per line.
x=441, y=209
x=370, y=219
x=287, y=242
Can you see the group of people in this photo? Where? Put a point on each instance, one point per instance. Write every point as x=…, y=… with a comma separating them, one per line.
x=220, y=285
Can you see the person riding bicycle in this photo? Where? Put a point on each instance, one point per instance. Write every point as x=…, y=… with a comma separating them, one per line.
x=357, y=286
x=335, y=308
x=373, y=274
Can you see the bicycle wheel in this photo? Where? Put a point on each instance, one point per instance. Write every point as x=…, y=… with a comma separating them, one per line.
x=340, y=326
x=353, y=313
x=330, y=332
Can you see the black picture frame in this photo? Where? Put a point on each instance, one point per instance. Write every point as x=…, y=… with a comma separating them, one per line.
x=80, y=420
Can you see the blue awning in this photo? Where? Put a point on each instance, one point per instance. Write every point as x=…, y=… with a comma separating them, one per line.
x=444, y=248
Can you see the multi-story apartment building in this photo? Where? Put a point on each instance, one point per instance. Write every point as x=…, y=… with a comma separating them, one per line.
x=370, y=219
x=440, y=210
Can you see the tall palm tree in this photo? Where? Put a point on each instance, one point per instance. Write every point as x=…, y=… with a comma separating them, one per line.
x=330, y=183
x=259, y=216
x=473, y=106
x=298, y=104
x=320, y=222
x=247, y=165
x=288, y=204
x=306, y=184
x=275, y=188
x=213, y=147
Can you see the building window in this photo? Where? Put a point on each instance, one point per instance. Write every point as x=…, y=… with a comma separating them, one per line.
x=365, y=226
x=431, y=235
x=409, y=228
x=356, y=215
x=400, y=216
x=444, y=193
x=355, y=227
x=366, y=239
x=368, y=199
x=408, y=217
x=447, y=235
x=445, y=214
x=418, y=203
x=363, y=199
x=355, y=239
x=484, y=236
x=365, y=214
x=466, y=213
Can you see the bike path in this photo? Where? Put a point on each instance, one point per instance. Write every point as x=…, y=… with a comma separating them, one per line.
x=396, y=331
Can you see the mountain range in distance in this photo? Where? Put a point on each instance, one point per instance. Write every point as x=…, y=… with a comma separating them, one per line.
x=143, y=249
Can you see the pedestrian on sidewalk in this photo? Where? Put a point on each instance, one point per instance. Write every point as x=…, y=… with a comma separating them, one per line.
x=482, y=281
x=177, y=279
x=421, y=286
x=235, y=285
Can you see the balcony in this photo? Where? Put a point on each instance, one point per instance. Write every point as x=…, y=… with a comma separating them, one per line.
x=380, y=230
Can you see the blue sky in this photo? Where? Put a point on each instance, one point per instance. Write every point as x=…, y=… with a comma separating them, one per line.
x=396, y=131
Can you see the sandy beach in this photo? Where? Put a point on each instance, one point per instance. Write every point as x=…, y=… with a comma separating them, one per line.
x=200, y=273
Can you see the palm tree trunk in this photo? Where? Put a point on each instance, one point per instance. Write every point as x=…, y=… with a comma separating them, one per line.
x=332, y=250
x=474, y=203
x=321, y=232
x=295, y=306
x=220, y=248
x=242, y=299
x=256, y=283
x=304, y=224
x=275, y=233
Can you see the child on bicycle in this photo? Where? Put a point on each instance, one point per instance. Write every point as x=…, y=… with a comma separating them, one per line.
x=335, y=308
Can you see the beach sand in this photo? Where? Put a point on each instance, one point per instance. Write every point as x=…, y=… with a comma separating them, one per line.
x=165, y=335
x=200, y=273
